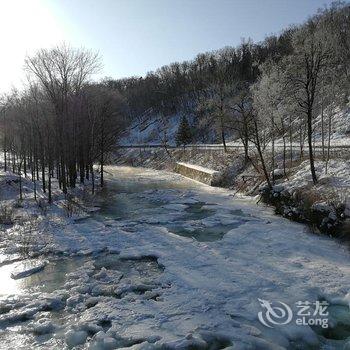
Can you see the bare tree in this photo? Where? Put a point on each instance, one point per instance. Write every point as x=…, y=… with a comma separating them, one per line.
x=106, y=107
x=61, y=73
x=304, y=73
x=242, y=111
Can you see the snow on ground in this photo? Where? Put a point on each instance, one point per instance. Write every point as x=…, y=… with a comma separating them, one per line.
x=340, y=130
x=338, y=174
x=177, y=292
x=151, y=130
x=198, y=167
x=333, y=185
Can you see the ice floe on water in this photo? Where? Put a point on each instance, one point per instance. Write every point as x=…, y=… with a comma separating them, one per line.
x=184, y=268
x=26, y=268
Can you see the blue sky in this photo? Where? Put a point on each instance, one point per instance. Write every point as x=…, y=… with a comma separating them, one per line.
x=137, y=36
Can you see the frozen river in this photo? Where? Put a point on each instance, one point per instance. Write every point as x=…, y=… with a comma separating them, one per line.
x=168, y=263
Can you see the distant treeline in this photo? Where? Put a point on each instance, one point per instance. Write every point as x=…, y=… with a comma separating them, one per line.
x=61, y=124
x=178, y=86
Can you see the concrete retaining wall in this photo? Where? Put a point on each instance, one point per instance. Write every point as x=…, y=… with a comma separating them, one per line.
x=195, y=172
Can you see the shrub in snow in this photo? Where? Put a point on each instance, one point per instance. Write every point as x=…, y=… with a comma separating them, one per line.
x=304, y=205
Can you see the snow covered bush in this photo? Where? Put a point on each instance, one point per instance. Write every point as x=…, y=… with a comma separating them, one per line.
x=305, y=205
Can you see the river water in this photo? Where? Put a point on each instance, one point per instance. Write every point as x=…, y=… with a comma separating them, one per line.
x=228, y=249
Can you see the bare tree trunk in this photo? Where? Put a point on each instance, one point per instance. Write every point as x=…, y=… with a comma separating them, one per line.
x=33, y=178
x=20, y=180
x=291, y=140
x=43, y=175
x=34, y=185
x=25, y=164
x=329, y=140
x=223, y=140
x=63, y=177
x=5, y=159
x=92, y=178
x=49, y=184
x=301, y=142
x=273, y=149
x=101, y=176
x=13, y=163
x=246, y=148
x=58, y=174
x=322, y=131
x=261, y=156
x=284, y=155
x=102, y=169
x=37, y=168
x=311, y=154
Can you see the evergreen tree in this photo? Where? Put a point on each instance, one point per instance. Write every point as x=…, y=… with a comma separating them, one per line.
x=184, y=133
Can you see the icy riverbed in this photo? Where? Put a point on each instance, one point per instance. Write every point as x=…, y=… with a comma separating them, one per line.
x=174, y=264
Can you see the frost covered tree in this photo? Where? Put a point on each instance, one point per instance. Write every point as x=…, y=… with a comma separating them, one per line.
x=215, y=104
x=304, y=71
x=336, y=21
x=268, y=96
x=258, y=139
x=241, y=121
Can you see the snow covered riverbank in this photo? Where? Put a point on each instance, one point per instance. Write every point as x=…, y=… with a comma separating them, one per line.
x=176, y=291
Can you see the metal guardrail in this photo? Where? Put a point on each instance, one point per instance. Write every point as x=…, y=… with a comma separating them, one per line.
x=180, y=147
x=221, y=147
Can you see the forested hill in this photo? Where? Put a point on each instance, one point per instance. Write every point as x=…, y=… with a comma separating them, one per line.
x=217, y=90
x=178, y=86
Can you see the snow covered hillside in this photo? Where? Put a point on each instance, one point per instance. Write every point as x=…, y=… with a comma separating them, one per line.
x=152, y=129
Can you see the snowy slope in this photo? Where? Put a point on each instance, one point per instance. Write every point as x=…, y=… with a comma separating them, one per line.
x=152, y=130
x=340, y=126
